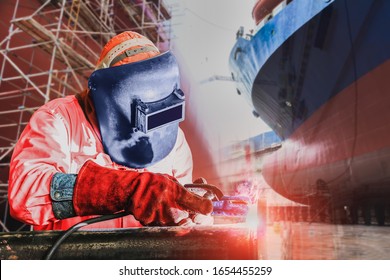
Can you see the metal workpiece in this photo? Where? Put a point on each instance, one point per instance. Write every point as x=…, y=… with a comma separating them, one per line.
x=222, y=242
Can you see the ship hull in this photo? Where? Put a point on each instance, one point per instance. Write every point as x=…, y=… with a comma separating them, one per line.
x=342, y=149
x=322, y=83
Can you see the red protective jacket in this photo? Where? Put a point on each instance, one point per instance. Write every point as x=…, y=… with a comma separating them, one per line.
x=59, y=138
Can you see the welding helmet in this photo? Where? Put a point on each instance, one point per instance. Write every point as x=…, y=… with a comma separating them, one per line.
x=138, y=103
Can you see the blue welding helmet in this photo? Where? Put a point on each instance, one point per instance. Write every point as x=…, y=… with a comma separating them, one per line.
x=138, y=108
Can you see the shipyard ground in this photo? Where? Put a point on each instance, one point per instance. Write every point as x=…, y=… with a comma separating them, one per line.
x=320, y=241
x=275, y=241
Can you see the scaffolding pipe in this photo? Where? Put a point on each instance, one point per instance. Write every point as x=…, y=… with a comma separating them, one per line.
x=23, y=75
x=54, y=52
x=10, y=125
x=10, y=31
x=19, y=110
x=7, y=152
x=5, y=93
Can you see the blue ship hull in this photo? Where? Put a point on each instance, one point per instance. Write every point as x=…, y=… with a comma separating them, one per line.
x=317, y=73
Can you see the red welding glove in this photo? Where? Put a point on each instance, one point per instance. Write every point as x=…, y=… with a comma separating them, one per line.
x=205, y=190
x=153, y=199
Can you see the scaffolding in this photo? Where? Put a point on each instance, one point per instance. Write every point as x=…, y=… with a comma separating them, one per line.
x=51, y=49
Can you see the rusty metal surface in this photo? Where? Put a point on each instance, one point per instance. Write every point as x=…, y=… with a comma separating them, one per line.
x=202, y=243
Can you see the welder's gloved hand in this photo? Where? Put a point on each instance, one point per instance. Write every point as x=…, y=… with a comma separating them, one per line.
x=201, y=188
x=153, y=199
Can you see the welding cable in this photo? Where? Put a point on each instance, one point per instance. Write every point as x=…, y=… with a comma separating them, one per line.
x=79, y=225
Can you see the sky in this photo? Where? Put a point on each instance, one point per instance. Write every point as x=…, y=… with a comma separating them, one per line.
x=204, y=34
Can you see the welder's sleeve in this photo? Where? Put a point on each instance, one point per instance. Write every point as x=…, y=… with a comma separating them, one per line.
x=42, y=151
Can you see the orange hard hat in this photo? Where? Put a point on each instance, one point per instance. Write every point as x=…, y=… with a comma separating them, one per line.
x=124, y=48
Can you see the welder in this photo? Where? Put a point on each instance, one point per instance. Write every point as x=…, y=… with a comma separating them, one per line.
x=116, y=147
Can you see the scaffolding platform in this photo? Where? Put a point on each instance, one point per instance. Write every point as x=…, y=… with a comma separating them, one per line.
x=67, y=55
